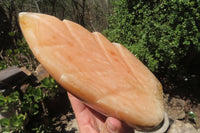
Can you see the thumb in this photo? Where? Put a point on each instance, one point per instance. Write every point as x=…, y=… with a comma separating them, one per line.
x=113, y=125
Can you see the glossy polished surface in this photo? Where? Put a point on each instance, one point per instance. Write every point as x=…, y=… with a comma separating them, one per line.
x=105, y=75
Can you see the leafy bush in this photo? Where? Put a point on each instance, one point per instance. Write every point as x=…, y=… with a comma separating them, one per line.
x=159, y=33
x=20, y=55
x=24, y=107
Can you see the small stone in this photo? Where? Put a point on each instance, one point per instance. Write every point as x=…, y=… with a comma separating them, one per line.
x=181, y=116
x=176, y=109
x=26, y=71
x=24, y=87
x=176, y=114
x=40, y=73
x=178, y=102
x=72, y=126
x=63, y=117
x=180, y=127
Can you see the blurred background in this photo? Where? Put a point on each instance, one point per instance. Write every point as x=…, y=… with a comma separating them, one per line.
x=163, y=34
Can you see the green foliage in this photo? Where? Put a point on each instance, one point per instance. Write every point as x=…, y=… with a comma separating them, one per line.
x=49, y=83
x=192, y=115
x=159, y=33
x=23, y=106
x=31, y=100
x=8, y=101
x=14, y=123
x=8, y=104
x=20, y=56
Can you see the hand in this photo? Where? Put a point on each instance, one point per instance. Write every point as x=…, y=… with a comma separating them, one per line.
x=90, y=121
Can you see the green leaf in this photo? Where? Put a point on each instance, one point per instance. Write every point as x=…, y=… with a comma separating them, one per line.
x=192, y=115
x=8, y=52
x=12, y=33
x=36, y=106
x=5, y=121
x=5, y=132
x=2, y=99
x=17, y=121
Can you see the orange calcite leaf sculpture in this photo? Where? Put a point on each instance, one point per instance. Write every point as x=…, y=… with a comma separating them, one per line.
x=105, y=75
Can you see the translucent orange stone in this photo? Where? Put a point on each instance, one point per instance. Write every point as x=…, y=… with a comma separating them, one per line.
x=105, y=75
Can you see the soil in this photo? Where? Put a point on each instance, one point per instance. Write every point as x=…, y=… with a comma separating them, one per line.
x=182, y=102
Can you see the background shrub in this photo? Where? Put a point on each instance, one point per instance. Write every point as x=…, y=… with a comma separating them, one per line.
x=164, y=35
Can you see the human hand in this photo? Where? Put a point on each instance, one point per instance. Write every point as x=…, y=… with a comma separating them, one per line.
x=90, y=121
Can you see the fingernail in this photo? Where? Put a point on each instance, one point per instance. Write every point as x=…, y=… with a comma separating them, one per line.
x=111, y=128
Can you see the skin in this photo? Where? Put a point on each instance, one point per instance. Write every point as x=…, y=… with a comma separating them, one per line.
x=90, y=121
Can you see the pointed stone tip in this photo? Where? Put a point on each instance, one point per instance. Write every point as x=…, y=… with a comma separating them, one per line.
x=29, y=15
x=22, y=14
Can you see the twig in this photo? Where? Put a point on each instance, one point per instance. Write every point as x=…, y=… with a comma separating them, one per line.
x=36, y=4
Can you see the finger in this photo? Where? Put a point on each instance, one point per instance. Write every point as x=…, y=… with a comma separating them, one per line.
x=77, y=105
x=113, y=125
x=82, y=119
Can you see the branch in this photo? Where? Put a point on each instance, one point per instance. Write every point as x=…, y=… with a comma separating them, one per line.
x=36, y=4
